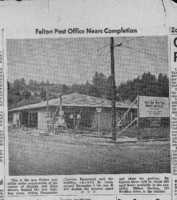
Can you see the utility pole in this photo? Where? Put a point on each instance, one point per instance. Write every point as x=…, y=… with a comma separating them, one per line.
x=138, y=130
x=47, y=94
x=113, y=90
x=48, y=120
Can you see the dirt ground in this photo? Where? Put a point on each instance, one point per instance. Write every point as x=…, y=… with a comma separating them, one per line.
x=31, y=153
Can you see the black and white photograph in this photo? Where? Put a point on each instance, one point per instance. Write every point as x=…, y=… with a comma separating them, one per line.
x=97, y=105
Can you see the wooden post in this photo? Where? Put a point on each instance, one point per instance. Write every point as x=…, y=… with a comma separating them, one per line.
x=28, y=119
x=74, y=119
x=113, y=89
x=98, y=118
x=138, y=130
x=47, y=94
x=61, y=102
x=131, y=117
x=98, y=122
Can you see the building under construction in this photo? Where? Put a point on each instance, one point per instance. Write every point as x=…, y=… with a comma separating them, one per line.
x=79, y=111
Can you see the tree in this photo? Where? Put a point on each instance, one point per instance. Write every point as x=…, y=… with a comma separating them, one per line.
x=93, y=91
x=42, y=83
x=17, y=85
x=163, y=85
x=64, y=89
x=26, y=94
x=146, y=85
x=8, y=86
x=99, y=81
x=22, y=83
x=43, y=94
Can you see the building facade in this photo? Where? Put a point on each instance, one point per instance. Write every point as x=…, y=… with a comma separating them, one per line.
x=79, y=111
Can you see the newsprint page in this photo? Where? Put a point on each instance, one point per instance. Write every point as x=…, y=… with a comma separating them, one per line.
x=89, y=117
x=88, y=113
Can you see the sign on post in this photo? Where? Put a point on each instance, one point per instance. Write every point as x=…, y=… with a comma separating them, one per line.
x=98, y=109
x=61, y=112
x=154, y=106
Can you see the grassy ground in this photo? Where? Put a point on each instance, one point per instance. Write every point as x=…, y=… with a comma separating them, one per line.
x=144, y=133
x=32, y=154
x=149, y=133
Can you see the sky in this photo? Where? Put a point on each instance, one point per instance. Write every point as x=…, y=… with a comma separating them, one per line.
x=75, y=60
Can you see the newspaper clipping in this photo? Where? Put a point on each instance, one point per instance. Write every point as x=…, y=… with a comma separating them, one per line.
x=88, y=117
x=1, y=120
x=88, y=113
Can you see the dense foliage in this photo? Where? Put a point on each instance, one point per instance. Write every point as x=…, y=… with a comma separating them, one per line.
x=21, y=93
x=147, y=85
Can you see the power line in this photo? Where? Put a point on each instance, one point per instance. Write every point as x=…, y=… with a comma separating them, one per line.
x=145, y=52
x=54, y=48
x=96, y=59
x=79, y=59
x=131, y=39
x=120, y=44
x=89, y=68
x=24, y=59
